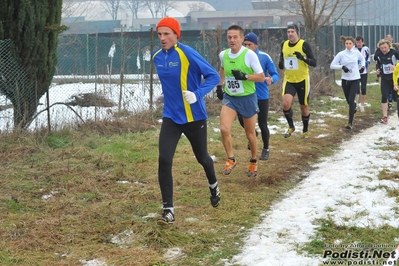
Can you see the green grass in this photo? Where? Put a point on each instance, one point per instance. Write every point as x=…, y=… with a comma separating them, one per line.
x=102, y=185
x=340, y=239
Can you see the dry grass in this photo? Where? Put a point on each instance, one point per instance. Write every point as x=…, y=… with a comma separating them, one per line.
x=89, y=208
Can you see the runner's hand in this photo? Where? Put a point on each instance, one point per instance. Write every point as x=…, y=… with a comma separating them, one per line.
x=190, y=97
x=299, y=55
x=361, y=70
x=345, y=69
x=239, y=75
x=159, y=99
x=219, y=92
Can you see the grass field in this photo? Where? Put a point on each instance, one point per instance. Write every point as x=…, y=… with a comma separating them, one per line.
x=91, y=195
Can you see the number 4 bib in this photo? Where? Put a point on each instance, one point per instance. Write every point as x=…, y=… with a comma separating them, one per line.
x=291, y=63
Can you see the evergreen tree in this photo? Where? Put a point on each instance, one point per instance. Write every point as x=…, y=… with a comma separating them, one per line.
x=32, y=26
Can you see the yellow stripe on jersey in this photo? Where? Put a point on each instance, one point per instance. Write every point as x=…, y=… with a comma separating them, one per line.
x=156, y=54
x=307, y=90
x=183, y=82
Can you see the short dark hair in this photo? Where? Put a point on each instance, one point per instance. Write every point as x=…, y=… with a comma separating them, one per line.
x=236, y=27
x=359, y=38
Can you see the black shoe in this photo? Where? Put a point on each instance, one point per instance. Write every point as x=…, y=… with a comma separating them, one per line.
x=167, y=217
x=215, y=196
x=349, y=126
x=265, y=155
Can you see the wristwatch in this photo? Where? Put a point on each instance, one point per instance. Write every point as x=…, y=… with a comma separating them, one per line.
x=246, y=76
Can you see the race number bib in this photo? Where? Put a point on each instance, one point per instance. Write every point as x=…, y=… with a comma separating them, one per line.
x=234, y=86
x=386, y=69
x=291, y=63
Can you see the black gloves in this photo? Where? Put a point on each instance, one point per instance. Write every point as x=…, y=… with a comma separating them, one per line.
x=239, y=75
x=361, y=70
x=281, y=64
x=299, y=56
x=219, y=92
x=345, y=69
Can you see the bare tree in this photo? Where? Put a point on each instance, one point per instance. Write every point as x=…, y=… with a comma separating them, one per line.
x=159, y=7
x=73, y=8
x=151, y=7
x=199, y=6
x=165, y=6
x=319, y=13
x=112, y=7
x=135, y=6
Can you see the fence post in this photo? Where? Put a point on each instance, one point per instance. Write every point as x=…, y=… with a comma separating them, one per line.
x=48, y=109
x=87, y=55
x=95, y=78
x=151, y=68
x=121, y=72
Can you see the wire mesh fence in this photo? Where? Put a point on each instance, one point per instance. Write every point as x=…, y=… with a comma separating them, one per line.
x=15, y=87
x=99, y=77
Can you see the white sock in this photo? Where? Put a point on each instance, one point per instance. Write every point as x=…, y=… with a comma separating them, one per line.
x=172, y=210
x=213, y=185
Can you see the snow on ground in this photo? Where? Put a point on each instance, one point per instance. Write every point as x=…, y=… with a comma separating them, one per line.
x=132, y=98
x=340, y=184
x=343, y=186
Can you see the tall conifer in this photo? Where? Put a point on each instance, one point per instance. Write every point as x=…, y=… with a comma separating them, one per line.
x=33, y=27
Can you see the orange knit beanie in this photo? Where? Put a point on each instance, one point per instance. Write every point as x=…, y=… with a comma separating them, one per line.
x=171, y=23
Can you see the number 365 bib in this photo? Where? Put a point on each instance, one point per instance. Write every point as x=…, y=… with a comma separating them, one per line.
x=234, y=86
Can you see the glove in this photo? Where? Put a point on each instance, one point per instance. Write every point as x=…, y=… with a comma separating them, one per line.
x=299, y=55
x=239, y=75
x=345, y=69
x=159, y=99
x=361, y=70
x=219, y=92
x=190, y=97
x=281, y=65
x=367, y=63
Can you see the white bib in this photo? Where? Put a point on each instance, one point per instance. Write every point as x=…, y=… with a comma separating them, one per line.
x=386, y=69
x=291, y=63
x=234, y=86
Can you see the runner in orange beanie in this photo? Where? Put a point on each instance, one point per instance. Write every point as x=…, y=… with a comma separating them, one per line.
x=171, y=23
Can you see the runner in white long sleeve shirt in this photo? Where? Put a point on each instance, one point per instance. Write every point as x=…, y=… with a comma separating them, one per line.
x=348, y=60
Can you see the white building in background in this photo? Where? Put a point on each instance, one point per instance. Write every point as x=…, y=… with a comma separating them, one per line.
x=88, y=16
x=98, y=12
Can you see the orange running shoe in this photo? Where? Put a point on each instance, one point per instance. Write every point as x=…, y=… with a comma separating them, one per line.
x=253, y=169
x=229, y=166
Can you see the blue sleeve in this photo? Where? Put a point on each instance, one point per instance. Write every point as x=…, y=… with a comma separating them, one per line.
x=209, y=74
x=271, y=69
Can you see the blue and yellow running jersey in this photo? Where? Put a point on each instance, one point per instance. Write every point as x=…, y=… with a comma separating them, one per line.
x=182, y=68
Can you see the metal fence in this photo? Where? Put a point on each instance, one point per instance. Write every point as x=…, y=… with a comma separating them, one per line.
x=15, y=87
x=100, y=76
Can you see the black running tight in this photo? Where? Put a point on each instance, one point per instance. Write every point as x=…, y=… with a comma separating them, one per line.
x=262, y=121
x=196, y=133
x=350, y=88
